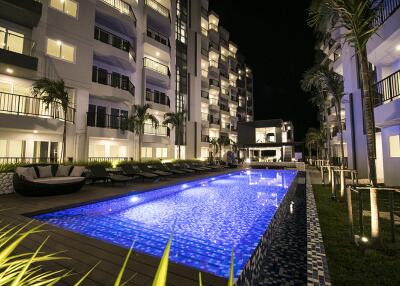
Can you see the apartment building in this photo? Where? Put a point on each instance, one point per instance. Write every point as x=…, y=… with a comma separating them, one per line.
x=112, y=54
x=267, y=140
x=384, y=57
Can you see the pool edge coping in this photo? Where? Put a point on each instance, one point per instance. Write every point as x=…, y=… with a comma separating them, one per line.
x=317, y=265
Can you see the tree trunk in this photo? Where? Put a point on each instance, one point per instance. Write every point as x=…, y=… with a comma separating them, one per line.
x=328, y=137
x=64, y=148
x=179, y=142
x=140, y=146
x=368, y=114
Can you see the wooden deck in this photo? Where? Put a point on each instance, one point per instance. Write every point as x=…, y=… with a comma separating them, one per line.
x=85, y=252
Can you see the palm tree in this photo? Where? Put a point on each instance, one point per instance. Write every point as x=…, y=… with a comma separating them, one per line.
x=214, y=145
x=314, y=138
x=356, y=18
x=222, y=141
x=177, y=120
x=330, y=83
x=54, y=92
x=140, y=117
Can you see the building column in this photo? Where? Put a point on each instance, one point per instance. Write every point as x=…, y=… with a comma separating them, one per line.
x=81, y=139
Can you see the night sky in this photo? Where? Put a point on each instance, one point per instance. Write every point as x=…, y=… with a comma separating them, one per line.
x=279, y=47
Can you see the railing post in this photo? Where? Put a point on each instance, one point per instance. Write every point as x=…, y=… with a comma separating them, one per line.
x=360, y=212
x=391, y=209
x=350, y=212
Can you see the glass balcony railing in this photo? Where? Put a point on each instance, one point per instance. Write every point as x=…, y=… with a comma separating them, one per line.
x=158, y=7
x=204, y=116
x=157, y=97
x=212, y=26
x=158, y=37
x=213, y=63
x=156, y=66
x=150, y=129
x=17, y=43
x=33, y=106
x=122, y=7
x=103, y=120
x=204, y=73
x=214, y=101
x=113, y=79
x=115, y=41
x=205, y=94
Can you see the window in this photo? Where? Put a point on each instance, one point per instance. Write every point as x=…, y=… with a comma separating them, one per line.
x=60, y=50
x=161, y=152
x=68, y=7
x=11, y=40
x=394, y=146
x=147, y=152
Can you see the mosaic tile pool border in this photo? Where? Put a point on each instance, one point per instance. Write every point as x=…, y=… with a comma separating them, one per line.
x=252, y=270
x=317, y=265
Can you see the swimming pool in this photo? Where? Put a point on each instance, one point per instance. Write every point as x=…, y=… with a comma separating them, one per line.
x=212, y=216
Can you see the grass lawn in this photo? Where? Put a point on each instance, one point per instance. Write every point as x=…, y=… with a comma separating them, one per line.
x=348, y=265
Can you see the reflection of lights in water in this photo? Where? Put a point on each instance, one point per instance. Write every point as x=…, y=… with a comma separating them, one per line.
x=212, y=179
x=291, y=207
x=134, y=199
x=184, y=186
x=248, y=172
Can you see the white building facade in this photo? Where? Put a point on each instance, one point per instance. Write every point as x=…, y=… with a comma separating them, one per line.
x=112, y=54
x=384, y=57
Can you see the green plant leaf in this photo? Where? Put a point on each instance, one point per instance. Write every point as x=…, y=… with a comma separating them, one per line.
x=200, y=282
x=121, y=272
x=161, y=275
x=231, y=270
x=86, y=275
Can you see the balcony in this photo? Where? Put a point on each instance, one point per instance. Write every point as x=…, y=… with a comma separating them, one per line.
x=204, y=73
x=161, y=99
x=388, y=89
x=213, y=119
x=122, y=7
x=115, y=41
x=33, y=106
x=204, y=116
x=212, y=26
x=224, y=108
x=156, y=66
x=17, y=50
x=205, y=138
x=386, y=9
x=26, y=13
x=158, y=37
x=204, y=52
x=214, y=83
x=103, y=120
x=114, y=79
x=205, y=94
x=150, y=129
x=158, y=7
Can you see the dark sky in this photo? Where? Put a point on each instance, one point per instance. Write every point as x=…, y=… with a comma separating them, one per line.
x=278, y=46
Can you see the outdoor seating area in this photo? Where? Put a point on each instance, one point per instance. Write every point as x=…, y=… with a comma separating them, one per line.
x=57, y=179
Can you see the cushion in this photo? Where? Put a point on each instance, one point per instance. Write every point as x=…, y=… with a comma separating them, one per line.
x=63, y=171
x=45, y=171
x=77, y=171
x=58, y=180
x=26, y=172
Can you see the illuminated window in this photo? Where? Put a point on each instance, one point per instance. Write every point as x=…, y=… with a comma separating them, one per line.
x=60, y=50
x=68, y=7
x=394, y=146
x=161, y=152
x=147, y=152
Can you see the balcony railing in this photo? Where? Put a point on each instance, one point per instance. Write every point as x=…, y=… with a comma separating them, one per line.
x=157, y=97
x=213, y=119
x=204, y=116
x=156, y=66
x=214, y=82
x=204, y=52
x=214, y=45
x=387, y=89
x=226, y=125
x=205, y=94
x=224, y=107
x=386, y=8
x=204, y=31
x=17, y=43
x=205, y=138
x=113, y=40
x=204, y=73
x=33, y=106
x=114, y=79
x=213, y=63
x=108, y=159
x=28, y=160
x=103, y=120
x=234, y=128
x=212, y=26
x=158, y=37
x=122, y=7
x=150, y=129
x=214, y=101
x=158, y=7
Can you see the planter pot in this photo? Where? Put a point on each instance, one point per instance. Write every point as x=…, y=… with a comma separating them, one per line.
x=6, y=183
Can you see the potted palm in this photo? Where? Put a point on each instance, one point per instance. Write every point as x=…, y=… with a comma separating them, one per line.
x=177, y=121
x=54, y=92
x=6, y=178
x=139, y=118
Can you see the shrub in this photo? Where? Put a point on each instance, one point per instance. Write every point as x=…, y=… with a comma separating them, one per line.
x=10, y=167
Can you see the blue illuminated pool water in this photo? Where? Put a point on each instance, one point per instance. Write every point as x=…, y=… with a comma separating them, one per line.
x=213, y=216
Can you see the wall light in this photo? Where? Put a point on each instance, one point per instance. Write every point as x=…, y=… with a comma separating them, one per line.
x=35, y=131
x=8, y=70
x=58, y=42
x=398, y=48
x=157, y=54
